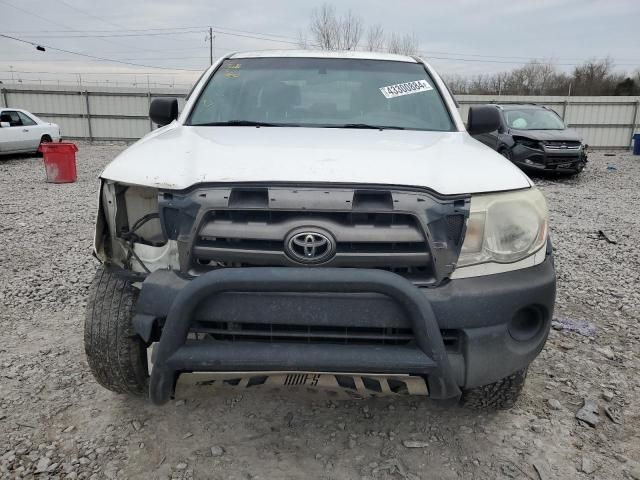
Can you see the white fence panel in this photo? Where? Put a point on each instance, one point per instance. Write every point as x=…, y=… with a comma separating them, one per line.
x=122, y=113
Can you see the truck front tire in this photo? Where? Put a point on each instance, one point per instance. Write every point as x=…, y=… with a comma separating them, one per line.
x=500, y=395
x=116, y=355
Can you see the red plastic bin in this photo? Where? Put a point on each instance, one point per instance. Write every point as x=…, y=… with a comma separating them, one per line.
x=59, y=161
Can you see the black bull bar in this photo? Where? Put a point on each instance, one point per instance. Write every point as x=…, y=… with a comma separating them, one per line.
x=427, y=357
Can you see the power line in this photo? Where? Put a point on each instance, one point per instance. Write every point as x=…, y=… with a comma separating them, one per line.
x=522, y=62
x=94, y=82
x=30, y=60
x=35, y=15
x=67, y=28
x=132, y=30
x=84, y=12
x=87, y=73
x=450, y=56
x=94, y=56
x=111, y=30
x=278, y=38
x=117, y=35
x=46, y=19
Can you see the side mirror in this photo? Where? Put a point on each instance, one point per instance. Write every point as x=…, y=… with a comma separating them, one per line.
x=163, y=111
x=483, y=119
x=5, y=124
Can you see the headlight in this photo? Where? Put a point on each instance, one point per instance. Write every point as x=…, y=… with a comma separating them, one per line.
x=504, y=227
x=526, y=142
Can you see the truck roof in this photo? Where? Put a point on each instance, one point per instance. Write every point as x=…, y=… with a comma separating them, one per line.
x=324, y=54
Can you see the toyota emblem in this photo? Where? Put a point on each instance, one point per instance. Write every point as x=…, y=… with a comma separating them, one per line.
x=310, y=246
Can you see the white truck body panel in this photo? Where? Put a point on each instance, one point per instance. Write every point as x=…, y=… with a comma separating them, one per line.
x=177, y=157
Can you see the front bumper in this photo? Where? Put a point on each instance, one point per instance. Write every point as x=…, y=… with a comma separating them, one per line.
x=551, y=160
x=500, y=322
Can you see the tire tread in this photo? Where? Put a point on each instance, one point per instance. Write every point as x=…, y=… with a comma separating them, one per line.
x=115, y=354
x=500, y=395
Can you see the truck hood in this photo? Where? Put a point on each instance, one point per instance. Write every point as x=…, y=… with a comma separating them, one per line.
x=176, y=157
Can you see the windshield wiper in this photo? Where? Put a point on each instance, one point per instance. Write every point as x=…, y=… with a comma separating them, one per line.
x=239, y=123
x=365, y=126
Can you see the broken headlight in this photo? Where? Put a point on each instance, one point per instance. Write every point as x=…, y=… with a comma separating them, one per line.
x=504, y=227
x=526, y=142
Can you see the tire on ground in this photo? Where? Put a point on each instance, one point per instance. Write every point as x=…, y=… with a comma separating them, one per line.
x=499, y=395
x=116, y=355
x=45, y=139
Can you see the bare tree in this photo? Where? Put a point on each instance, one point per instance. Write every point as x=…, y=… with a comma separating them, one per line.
x=409, y=44
x=375, y=38
x=457, y=83
x=349, y=31
x=595, y=77
x=394, y=43
x=405, y=45
x=324, y=27
x=303, y=41
x=332, y=33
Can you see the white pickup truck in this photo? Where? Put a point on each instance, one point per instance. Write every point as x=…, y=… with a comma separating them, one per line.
x=319, y=219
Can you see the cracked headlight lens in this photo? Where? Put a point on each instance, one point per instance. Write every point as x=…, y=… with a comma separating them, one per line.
x=504, y=227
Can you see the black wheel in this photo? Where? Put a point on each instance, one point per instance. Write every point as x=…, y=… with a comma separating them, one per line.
x=44, y=139
x=499, y=395
x=506, y=153
x=117, y=356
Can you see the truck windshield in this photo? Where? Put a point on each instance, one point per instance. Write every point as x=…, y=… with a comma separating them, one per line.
x=321, y=92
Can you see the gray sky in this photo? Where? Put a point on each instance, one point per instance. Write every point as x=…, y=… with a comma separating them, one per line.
x=457, y=36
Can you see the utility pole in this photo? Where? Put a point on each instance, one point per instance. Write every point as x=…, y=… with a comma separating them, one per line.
x=210, y=46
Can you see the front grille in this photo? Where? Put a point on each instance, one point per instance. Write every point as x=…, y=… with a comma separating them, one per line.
x=313, y=334
x=278, y=333
x=563, y=145
x=388, y=240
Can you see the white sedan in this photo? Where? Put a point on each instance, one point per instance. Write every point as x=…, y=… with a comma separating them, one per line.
x=23, y=132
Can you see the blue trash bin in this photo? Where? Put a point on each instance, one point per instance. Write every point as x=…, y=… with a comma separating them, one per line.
x=636, y=144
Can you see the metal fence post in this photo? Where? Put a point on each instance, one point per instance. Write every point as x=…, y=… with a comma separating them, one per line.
x=4, y=97
x=86, y=101
x=634, y=120
x=148, y=107
x=564, y=109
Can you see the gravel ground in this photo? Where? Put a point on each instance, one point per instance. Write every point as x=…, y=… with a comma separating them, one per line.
x=55, y=421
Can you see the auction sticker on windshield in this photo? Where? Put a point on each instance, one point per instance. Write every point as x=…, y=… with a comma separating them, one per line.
x=407, y=88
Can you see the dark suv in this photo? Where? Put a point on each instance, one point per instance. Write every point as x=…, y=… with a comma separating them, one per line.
x=535, y=138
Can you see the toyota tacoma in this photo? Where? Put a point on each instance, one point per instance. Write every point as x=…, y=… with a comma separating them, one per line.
x=319, y=219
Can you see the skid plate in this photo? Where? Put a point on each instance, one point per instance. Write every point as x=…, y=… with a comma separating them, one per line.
x=348, y=385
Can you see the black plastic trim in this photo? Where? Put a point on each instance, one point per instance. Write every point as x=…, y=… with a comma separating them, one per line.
x=174, y=356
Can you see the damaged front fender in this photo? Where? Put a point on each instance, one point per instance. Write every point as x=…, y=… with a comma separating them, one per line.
x=100, y=230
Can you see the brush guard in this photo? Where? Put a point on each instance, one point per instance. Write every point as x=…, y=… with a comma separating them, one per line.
x=426, y=357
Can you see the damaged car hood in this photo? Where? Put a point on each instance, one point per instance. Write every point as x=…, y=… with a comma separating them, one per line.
x=177, y=157
x=568, y=134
